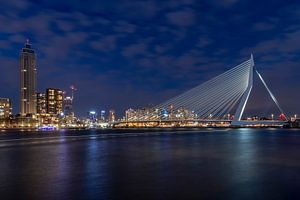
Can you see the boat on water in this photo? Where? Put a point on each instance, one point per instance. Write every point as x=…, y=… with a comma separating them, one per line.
x=47, y=128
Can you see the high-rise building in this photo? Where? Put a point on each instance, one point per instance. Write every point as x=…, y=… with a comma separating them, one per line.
x=112, y=116
x=54, y=101
x=102, y=116
x=68, y=103
x=28, y=80
x=5, y=107
x=68, y=106
x=92, y=116
x=41, y=103
x=129, y=114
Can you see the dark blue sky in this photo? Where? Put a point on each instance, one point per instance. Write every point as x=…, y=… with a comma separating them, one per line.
x=131, y=53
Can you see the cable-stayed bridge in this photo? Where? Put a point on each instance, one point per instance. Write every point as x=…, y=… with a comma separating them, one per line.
x=220, y=99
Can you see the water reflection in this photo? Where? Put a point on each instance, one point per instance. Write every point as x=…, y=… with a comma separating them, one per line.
x=95, y=175
x=231, y=164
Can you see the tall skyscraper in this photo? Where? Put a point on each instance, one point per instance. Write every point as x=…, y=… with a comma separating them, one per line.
x=28, y=80
x=54, y=101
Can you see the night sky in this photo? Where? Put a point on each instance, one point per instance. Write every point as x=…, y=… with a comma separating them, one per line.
x=122, y=54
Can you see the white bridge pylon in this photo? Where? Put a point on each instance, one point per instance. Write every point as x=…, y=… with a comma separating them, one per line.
x=241, y=107
x=216, y=98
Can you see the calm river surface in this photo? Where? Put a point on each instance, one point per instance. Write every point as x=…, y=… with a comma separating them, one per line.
x=165, y=164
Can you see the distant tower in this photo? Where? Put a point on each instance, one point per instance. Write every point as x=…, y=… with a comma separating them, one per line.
x=68, y=103
x=28, y=82
x=68, y=106
x=102, y=115
x=112, y=116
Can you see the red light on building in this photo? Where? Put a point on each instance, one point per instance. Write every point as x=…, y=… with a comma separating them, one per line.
x=282, y=117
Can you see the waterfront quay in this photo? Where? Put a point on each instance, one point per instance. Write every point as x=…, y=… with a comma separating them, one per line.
x=30, y=123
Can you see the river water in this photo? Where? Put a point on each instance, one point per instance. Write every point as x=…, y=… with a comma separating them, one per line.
x=161, y=164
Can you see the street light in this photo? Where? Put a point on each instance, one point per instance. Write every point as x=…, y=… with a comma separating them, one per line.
x=272, y=115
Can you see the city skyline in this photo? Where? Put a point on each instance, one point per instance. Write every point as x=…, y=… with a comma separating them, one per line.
x=149, y=99
x=144, y=62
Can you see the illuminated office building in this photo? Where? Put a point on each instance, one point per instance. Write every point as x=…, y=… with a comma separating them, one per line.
x=102, y=116
x=41, y=103
x=68, y=106
x=28, y=73
x=5, y=108
x=112, y=116
x=92, y=116
x=54, y=101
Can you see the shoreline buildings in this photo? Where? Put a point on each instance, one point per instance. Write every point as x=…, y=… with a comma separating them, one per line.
x=37, y=109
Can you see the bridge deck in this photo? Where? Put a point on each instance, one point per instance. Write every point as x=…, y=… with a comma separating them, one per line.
x=241, y=123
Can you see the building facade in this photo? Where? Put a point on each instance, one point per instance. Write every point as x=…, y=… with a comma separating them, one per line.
x=28, y=80
x=5, y=108
x=68, y=106
x=102, y=116
x=112, y=116
x=54, y=101
x=41, y=103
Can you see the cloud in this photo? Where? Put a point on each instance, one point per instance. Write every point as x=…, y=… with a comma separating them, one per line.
x=182, y=18
x=263, y=26
x=224, y=3
x=64, y=25
x=204, y=41
x=124, y=27
x=288, y=43
x=134, y=50
x=162, y=48
x=7, y=6
x=106, y=43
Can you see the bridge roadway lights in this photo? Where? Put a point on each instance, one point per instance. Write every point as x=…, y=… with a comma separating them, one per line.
x=262, y=123
x=201, y=123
